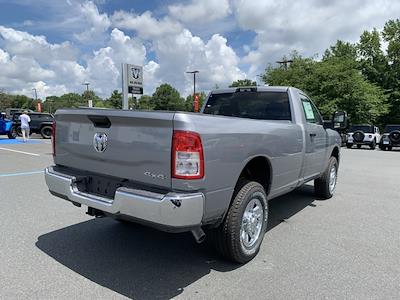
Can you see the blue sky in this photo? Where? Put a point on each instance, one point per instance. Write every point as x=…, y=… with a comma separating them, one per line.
x=54, y=46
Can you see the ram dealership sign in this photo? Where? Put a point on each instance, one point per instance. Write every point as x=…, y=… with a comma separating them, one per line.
x=135, y=79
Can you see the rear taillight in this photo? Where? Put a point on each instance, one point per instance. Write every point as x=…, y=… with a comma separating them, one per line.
x=53, y=138
x=187, y=155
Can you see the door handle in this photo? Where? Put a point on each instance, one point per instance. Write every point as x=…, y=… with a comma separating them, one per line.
x=313, y=134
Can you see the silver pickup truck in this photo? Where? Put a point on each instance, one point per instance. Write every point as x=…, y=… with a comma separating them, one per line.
x=212, y=172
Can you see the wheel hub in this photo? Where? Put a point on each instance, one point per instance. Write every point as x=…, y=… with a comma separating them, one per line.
x=332, y=179
x=252, y=222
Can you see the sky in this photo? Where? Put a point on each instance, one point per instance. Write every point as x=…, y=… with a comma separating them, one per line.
x=56, y=46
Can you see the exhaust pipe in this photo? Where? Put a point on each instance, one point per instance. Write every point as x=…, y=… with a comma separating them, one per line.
x=199, y=235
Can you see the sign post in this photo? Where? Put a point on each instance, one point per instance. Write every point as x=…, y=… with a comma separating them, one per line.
x=132, y=82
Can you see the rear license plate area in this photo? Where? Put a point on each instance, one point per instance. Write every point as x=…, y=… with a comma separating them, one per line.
x=101, y=186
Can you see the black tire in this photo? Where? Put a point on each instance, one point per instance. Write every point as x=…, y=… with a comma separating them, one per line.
x=348, y=145
x=373, y=145
x=322, y=184
x=19, y=131
x=383, y=148
x=227, y=237
x=390, y=148
x=12, y=134
x=358, y=146
x=46, y=132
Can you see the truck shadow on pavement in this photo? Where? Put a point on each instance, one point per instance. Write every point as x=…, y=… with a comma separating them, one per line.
x=142, y=263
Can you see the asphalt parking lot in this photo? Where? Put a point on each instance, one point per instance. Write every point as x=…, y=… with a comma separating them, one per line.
x=347, y=247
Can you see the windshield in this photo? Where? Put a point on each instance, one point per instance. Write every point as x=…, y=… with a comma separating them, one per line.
x=363, y=128
x=252, y=105
x=390, y=128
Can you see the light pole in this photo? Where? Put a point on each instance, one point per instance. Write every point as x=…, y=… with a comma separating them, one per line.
x=90, y=104
x=194, y=82
x=34, y=89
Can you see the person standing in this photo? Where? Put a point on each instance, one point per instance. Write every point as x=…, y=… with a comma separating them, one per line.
x=25, y=119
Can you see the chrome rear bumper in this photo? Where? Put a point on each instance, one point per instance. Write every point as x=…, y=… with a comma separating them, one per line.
x=171, y=209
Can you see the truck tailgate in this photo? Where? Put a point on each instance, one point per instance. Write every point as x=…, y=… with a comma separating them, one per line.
x=137, y=146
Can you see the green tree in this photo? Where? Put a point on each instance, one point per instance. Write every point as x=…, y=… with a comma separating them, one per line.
x=243, y=82
x=6, y=101
x=342, y=50
x=373, y=62
x=167, y=98
x=145, y=103
x=115, y=100
x=71, y=100
x=334, y=84
x=391, y=35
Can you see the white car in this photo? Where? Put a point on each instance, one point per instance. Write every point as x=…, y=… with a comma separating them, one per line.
x=363, y=135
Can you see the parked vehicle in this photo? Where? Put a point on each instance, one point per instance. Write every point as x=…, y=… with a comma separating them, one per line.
x=363, y=135
x=41, y=123
x=11, y=111
x=390, y=137
x=214, y=171
x=6, y=127
x=341, y=126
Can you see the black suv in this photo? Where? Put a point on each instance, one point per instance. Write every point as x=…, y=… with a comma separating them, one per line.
x=390, y=138
x=41, y=123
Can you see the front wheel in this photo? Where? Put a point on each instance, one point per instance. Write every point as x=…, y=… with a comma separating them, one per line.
x=12, y=134
x=19, y=131
x=240, y=236
x=325, y=185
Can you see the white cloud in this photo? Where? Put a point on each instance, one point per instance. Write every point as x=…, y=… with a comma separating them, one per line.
x=309, y=27
x=200, y=11
x=216, y=61
x=104, y=67
x=145, y=25
x=34, y=46
x=97, y=23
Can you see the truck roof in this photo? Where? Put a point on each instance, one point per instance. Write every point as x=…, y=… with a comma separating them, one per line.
x=257, y=88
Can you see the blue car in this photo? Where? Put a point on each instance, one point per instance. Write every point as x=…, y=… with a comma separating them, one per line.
x=6, y=127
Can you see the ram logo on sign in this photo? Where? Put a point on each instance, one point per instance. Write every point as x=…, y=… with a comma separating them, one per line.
x=135, y=79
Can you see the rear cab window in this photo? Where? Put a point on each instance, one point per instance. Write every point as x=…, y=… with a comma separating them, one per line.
x=250, y=104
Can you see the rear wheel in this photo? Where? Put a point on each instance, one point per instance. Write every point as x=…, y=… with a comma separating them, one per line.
x=358, y=146
x=46, y=132
x=239, y=237
x=348, y=145
x=325, y=186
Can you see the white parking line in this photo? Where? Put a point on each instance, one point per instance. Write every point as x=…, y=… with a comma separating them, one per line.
x=22, y=173
x=22, y=152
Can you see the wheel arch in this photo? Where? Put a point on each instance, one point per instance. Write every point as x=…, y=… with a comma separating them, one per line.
x=257, y=168
x=335, y=153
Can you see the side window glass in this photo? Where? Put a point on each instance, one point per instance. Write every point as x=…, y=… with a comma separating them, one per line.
x=310, y=111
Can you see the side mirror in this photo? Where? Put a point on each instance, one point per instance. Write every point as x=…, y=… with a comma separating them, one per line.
x=339, y=120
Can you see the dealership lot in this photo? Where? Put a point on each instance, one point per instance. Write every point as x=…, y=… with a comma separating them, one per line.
x=345, y=247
